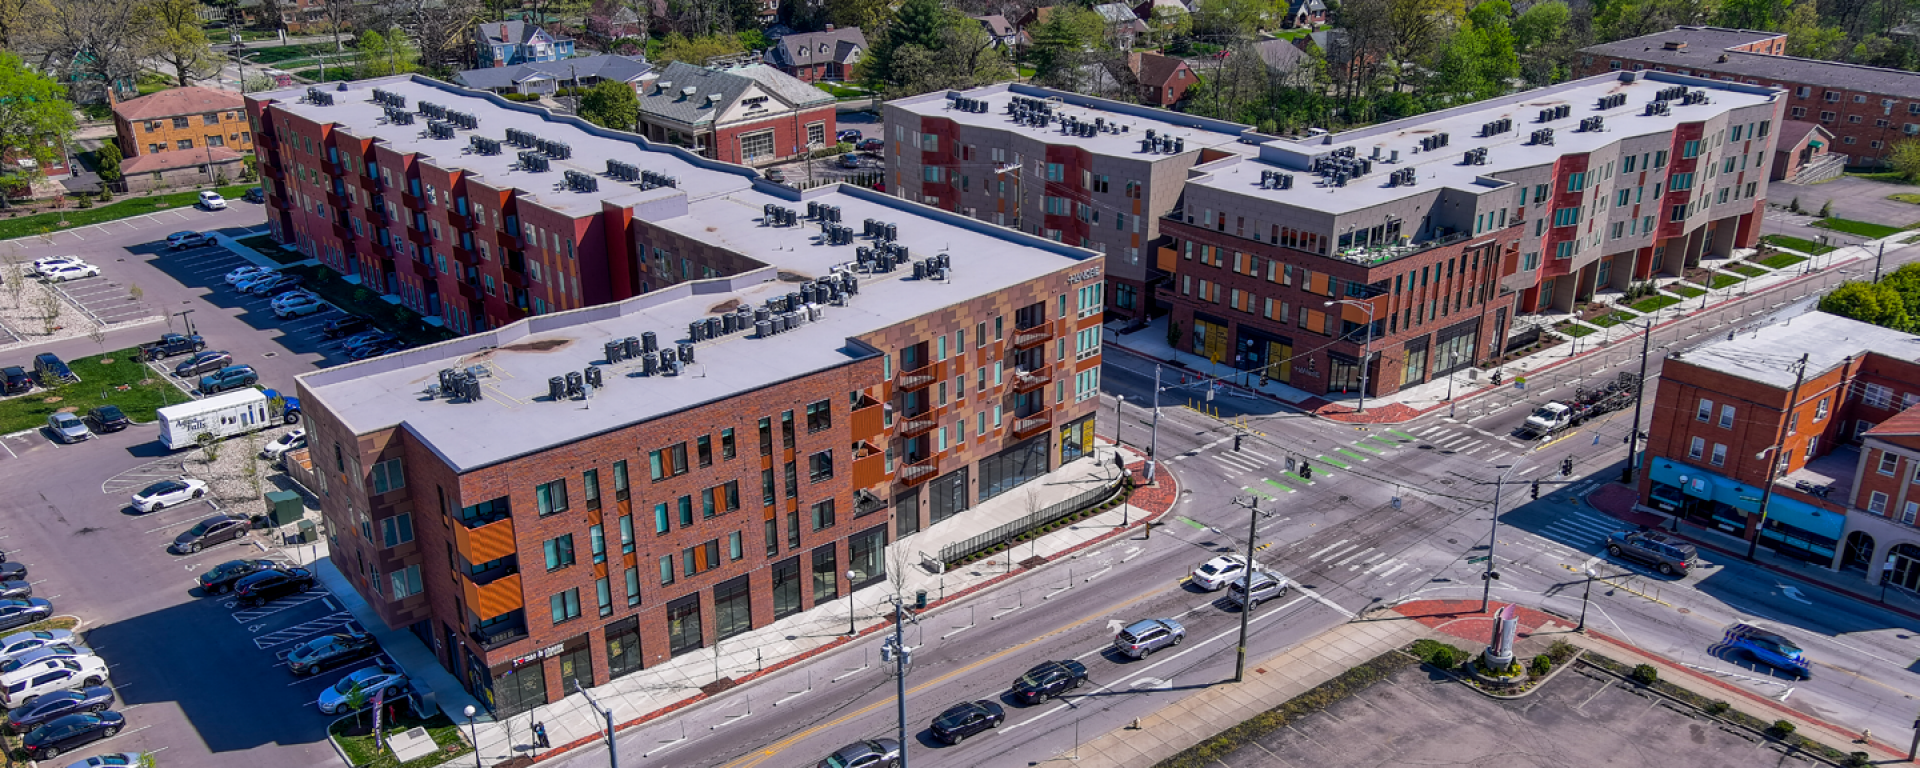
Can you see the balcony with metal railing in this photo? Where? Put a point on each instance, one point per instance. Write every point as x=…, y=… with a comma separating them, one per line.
x=1028, y=380
x=1032, y=425
x=1024, y=338
x=919, y=472
x=919, y=377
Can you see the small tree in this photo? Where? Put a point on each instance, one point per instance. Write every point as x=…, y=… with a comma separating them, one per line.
x=134, y=292
x=209, y=445
x=1794, y=205
x=98, y=335
x=107, y=161
x=1906, y=159
x=1826, y=210
x=1646, y=674
x=249, y=168
x=16, y=275
x=1173, y=333
x=49, y=306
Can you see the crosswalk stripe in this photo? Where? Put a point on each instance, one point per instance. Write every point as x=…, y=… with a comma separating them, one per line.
x=1390, y=571
x=1269, y=459
x=1343, y=551
x=1316, y=555
x=1569, y=534
x=1377, y=566
x=1382, y=442
x=1429, y=429
x=1352, y=557
x=1588, y=524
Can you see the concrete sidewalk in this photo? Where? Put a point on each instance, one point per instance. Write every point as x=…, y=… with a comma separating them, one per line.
x=1542, y=367
x=661, y=689
x=433, y=682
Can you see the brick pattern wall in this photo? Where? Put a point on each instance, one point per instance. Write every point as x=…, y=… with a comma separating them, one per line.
x=229, y=126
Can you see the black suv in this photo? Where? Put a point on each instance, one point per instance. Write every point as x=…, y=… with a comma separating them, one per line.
x=346, y=326
x=263, y=587
x=108, y=418
x=1048, y=680
x=221, y=577
x=48, y=366
x=1668, y=555
x=331, y=650
x=15, y=380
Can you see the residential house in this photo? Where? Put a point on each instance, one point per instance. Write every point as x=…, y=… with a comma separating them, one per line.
x=546, y=77
x=1162, y=80
x=1123, y=25
x=753, y=115
x=999, y=30
x=1305, y=14
x=181, y=169
x=181, y=120
x=819, y=56
x=506, y=43
x=1804, y=155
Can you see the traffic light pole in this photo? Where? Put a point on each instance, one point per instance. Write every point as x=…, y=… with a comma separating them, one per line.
x=1493, y=538
x=900, y=677
x=1246, y=611
x=1639, y=389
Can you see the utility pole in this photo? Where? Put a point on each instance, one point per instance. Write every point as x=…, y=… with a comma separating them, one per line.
x=1585, y=599
x=1153, y=439
x=613, y=755
x=1878, y=259
x=895, y=650
x=1246, y=610
x=1639, y=388
x=1774, y=455
x=1493, y=537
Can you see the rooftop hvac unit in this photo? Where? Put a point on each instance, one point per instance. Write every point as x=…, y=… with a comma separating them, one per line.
x=727, y=322
x=581, y=182
x=556, y=388
x=433, y=110
x=649, y=342
x=440, y=129
x=593, y=377
x=533, y=162
x=893, y=232
x=763, y=328
x=520, y=138
x=697, y=331
x=481, y=145
x=669, y=365
x=576, y=384
x=813, y=313
x=649, y=363
x=622, y=171
x=615, y=351
x=686, y=352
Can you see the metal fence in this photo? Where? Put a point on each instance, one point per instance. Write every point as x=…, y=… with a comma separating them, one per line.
x=961, y=550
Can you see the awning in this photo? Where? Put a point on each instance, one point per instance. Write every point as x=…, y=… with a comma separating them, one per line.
x=1690, y=480
x=1816, y=144
x=1806, y=517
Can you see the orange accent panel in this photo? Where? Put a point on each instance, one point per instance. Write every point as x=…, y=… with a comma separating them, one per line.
x=500, y=597
x=486, y=543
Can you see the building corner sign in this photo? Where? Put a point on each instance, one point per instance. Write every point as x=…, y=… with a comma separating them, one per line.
x=551, y=650
x=1084, y=275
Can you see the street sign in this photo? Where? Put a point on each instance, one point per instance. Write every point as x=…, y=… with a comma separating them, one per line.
x=1480, y=559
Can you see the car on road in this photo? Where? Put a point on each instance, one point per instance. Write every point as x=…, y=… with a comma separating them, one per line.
x=336, y=698
x=45, y=657
x=221, y=578
x=1148, y=635
x=40, y=266
x=203, y=362
x=1047, y=680
x=115, y=760
x=1770, y=649
x=867, y=753
x=19, y=613
x=14, y=380
x=211, y=531
x=69, y=731
x=848, y=160
x=168, y=493
x=297, y=304
x=48, y=367
x=775, y=175
x=1266, y=586
x=13, y=571
x=67, y=272
x=268, y=585
x=107, y=418
x=212, y=201
x=180, y=240
x=255, y=195
x=1214, y=574
x=68, y=428
x=872, y=145
x=15, y=590
x=331, y=651
x=848, y=136
x=59, y=703
x=967, y=719
x=345, y=326
x=1668, y=555
x=243, y=273
x=230, y=377
x=21, y=642
x=291, y=441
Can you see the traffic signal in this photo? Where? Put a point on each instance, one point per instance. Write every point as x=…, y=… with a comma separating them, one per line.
x=1536, y=489
x=1306, y=471
x=1236, y=441
x=1566, y=467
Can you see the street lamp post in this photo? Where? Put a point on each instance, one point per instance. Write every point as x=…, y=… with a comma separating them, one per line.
x=1246, y=610
x=1118, y=400
x=473, y=733
x=613, y=756
x=1153, y=437
x=850, y=628
x=1585, y=599
x=1366, y=356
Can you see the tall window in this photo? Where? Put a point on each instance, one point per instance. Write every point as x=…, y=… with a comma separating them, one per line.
x=1706, y=410
x=559, y=552
x=826, y=574
x=590, y=483
x=726, y=443
x=1726, y=417
x=620, y=480
x=786, y=429
x=823, y=515
x=732, y=608
x=820, y=466
x=683, y=624
x=552, y=497
x=566, y=605
x=819, y=416
x=388, y=476
x=703, y=446
x=668, y=462
x=786, y=588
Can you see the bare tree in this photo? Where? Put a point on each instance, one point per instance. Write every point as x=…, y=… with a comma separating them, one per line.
x=49, y=306
x=250, y=470
x=98, y=335
x=102, y=42
x=442, y=29
x=16, y=273
x=209, y=446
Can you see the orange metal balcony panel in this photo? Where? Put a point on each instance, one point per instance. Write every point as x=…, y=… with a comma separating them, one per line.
x=870, y=470
x=868, y=423
x=485, y=543
x=500, y=596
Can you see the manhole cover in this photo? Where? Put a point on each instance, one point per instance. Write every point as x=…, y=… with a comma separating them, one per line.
x=1453, y=541
x=1343, y=498
x=1445, y=481
x=1686, y=610
x=270, y=354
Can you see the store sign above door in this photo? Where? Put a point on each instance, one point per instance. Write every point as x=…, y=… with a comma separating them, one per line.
x=1088, y=274
x=551, y=650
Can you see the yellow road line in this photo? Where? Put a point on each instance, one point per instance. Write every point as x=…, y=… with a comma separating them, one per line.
x=775, y=748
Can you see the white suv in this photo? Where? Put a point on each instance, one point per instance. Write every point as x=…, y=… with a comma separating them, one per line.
x=29, y=683
x=212, y=201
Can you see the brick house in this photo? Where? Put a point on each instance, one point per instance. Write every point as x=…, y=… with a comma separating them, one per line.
x=506, y=43
x=182, y=120
x=813, y=57
x=1803, y=157
x=1868, y=109
x=1305, y=14
x=753, y=115
x=181, y=169
x=1163, y=80
x=528, y=539
x=1837, y=500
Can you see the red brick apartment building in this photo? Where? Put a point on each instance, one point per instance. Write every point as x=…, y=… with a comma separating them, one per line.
x=1868, y=109
x=720, y=406
x=1843, y=492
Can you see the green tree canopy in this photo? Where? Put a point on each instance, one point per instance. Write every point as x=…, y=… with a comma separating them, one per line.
x=694, y=50
x=1876, y=303
x=34, y=118
x=180, y=42
x=917, y=23
x=107, y=161
x=390, y=54
x=1905, y=158
x=611, y=104
x=1541, y=24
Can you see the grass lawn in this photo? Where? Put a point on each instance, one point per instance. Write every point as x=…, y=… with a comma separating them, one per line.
x=1684, y=290
x=281, y=53
x=1026, y=72
x=1861, y=228
x=1574, y=330
x=401, y=321
x=1746, y=269
x=1890, y=177
x=272, y=250
x=118, y=209
x=1717, y=281
x=843, y=92
x=1802, y=245
x=1905, y=197
x=1781, y=260
x=1614, y=318
x=363, y=751
x=115, y=383
x=1654, y=303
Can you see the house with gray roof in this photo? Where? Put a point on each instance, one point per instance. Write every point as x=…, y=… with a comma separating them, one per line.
x=506, y=43
x=546, y=77
x=754, y=115
x=816, y=56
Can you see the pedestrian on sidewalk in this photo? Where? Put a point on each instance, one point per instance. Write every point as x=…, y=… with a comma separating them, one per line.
x=540, y=736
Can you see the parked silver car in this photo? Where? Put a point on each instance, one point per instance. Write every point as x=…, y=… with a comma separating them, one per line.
x=1148, y=635
x=68, y=428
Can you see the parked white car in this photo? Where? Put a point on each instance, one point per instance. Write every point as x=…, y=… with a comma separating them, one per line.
x=290, y=441
x=297, y=304
x=18, y=688
x=21, y=642
x=46, y=658
x=212, y=201
x=371, y=680
x=238, y=275
x=65, y=272
x=168, y=493
x=40, y=266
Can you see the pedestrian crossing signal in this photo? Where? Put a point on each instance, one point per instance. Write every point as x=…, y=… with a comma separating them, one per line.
x=1536, y=489
x=1236, y=443
x=1306, y=471
x=1566, y=467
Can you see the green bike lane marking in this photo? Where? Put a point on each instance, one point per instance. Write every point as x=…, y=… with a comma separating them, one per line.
x=1350, y=454
x=1280, y=485
x=1383, y=442
x=1299, y=478
x=1260, y=493
x=1403, y=435
x=1190, y=521
x=1367, y=448
x=1335, y=462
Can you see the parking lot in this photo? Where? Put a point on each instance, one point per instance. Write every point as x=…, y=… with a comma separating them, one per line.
x=105, y=299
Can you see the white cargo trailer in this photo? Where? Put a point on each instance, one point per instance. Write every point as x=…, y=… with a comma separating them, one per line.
x=223, y=416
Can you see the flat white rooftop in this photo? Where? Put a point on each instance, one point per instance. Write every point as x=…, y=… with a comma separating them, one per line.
x=1768, y=354
x=1198, y=132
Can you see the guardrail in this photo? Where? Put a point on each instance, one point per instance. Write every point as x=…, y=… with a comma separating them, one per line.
x=952, y=554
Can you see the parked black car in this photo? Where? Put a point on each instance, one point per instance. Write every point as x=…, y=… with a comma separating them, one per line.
x=1047, y=680
x=268, y=585
x=345, y=326
x=19, y=613
x=330, y=651
x=15, y=380
x=284, y=285
x=966, y=719
x=69, y=731
x=375, y=350
x=108, y=418
x=220, y=578
x=203, y=362
x=13, y=571
x=255, y=195
x=57, y=704
x=209, y=532
x=48, y=367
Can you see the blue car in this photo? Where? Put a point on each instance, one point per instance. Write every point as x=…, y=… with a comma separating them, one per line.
x=1769, y=649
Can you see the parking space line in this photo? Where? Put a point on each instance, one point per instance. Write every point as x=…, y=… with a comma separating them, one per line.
x=308, y=628
x=250, y=615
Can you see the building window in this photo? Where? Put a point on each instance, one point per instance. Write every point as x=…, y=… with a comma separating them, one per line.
x=786, y=588
x=626, y=533
x=1697, y=448
x=666, y=569
x=1889, y=463
x=397, y=530
x=1719, y=455
x=667, y=462
x=823, y=515
x=1820, y=411
x=1706, y=410
x=1877, y=396
x=559, y=552
x=820, y=466
x=633, y=587
x=1877, y=503
x=683, y=625
x=1726, y=417
x=816, y=134
x=620, y=491
x=406, y=582
x=566, y=605
x=388, y=476
x=662, y=520
x=597, y=542
x=703, y=449
x=819, y=416
x=826, y=574
x=726, y=444
x=590, y=481
x=552, y=497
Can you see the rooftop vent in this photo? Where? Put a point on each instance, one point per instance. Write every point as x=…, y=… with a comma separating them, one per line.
x=1403, y=177
x=581, y=182
x=1612, y=101
x=1475, y=156
x=1675, y=45
x=1544, y=136
x=1593, y=124
x=482, y=145
x=533, y=162
x=520, y=138
x=433, y=110
x=623, y=171
x=439, y=129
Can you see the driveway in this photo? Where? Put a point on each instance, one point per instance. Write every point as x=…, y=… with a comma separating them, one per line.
x=1853, y=198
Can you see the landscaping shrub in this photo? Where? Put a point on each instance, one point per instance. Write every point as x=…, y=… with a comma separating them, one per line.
x=1782, y=728
x=1541, y=665
x=1561, y=650
x=1646, y=674
x=1718, y=707
x=1438, y=654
